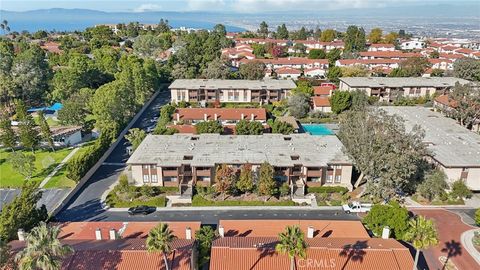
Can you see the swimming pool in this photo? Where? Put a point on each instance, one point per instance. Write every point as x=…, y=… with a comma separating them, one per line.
x=317, y=129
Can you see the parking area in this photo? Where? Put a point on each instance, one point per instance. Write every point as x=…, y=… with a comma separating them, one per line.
x=50, y=197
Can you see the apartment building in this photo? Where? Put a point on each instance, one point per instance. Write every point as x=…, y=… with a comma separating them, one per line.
x=184, y=160
x=250, y=244
x=321, y=98
x=121, y=245
x=213, y=90
x=454, y=149
x=388, y=89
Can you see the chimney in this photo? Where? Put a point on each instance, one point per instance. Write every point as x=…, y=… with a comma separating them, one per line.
x=310, y=231
x=113, y=234
x=205, y=117
x=252, y=117
x=98, y=234
x=188, y=233
x=241, y=117
x=386, y=232
x=178, y=117
x=221, y=231
x=21, y=235
x=216, y=117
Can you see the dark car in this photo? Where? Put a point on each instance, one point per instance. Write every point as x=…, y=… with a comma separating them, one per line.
x=141, y=209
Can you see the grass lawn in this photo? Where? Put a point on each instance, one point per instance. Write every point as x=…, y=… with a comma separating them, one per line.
x=114, y=202
x=45, y=162
x=200, y=201
x=60, y=180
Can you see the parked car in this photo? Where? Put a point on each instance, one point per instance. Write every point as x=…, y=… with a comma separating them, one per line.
x=357, y=207
x=141, y=209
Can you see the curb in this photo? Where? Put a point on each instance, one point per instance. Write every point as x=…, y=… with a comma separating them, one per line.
x=233, y=208
x=466, y=239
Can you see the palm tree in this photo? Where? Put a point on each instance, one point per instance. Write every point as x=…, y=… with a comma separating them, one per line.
x=43, y=249
x=292, y=243
x=160, y=239
x=422, y=234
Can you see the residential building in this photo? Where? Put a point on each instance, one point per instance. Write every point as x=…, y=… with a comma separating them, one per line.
x=250, y=244
x=292, y=62
x=412, y=44
x=238, y=91
x=371, y=64
x=183, y=160
x=454, y=149
x=121, y=245
x=185, y=119
x=321, y=98
x=388, y=55
x=66, y=135
x=381, y=47
x=389, y=88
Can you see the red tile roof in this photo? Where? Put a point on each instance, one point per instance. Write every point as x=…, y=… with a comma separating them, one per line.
x=389, y=54
x=368, y=61
x=445, y=100
x=322, y=90
x=452, y=55
x=184, y=128
x=269, y=228
x=322, y=253
x=287, y=70
x=291, y=61
x=382, y=45
x=52, y=47
x=222, y=113
x=321, y=101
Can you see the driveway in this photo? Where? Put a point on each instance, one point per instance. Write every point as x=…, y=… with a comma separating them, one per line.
x=450, y=227
x=86, y=205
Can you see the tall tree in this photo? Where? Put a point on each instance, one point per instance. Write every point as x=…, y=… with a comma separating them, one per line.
x=266, y=184
x=263, y=29
x=217, y=69
x=328, y=35
x=466, y=102
x=26, y=126
x=24, y=164
x=75, y=108
x=209, y=127
x=467, y=68
x=292, y=242
x=22, y=212
x=43, y=249
x=7, y=135
x=45, y=130
x=316, y=54
x=375, y=35
x=391, y=38
x=160, y=239
x=282, y=32
x=387, y=156
x=412, y=67
x=245, y=180
x=354, y=39
x=245, y=127
x=340, y=101
x=282, y=127
x=253, y=70
x=298, y=105
x=163, y=26
x=205, y=237
x=224, y=179
x=334, y=73
x=422, y=234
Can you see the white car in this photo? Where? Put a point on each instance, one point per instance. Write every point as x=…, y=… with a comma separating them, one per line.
x=357, y=207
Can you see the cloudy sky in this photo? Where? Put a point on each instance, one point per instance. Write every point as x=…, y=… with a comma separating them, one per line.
x=246, y=6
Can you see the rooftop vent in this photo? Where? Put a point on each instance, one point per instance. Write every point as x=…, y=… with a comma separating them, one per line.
x=194, y=138
x=187, y=157
x=287, y=138
x=295, y=157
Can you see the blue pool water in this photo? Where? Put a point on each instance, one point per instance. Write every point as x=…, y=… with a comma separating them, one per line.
x=317, y=129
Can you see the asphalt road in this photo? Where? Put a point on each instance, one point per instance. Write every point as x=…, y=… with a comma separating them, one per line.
x=85, y=204
x=213, y=216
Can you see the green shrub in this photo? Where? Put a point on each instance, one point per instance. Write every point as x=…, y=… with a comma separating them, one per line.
x=460, y=190
x=392, y=215
x=148, y=191
x=123, y=184
x=284, y=189
x=114, y=201
x=327, y=189
x=200, y=201
x=477, y=217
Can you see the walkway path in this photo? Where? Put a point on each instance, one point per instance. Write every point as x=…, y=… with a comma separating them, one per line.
x=450, y=228
x=59, y=166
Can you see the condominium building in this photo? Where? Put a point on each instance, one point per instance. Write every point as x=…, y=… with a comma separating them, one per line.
x=454, y=149
x=388, y=89
x=200, y=90
x=186, y=160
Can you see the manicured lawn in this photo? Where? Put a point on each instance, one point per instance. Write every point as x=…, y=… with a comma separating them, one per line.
x=45, y=162
x=60, y=180
x=200, y=201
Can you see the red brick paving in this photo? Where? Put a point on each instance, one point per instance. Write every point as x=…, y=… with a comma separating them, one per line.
x=450, y=227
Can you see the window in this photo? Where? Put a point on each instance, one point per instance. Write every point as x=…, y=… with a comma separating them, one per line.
x=338, y=178
x=146, y=178
x=329, y=178
x=154, y=178
x=153, y=166
x=169, y=179
x=145, y=166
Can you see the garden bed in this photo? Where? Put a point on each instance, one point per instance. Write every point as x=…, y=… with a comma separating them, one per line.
x=200, y=201
x=329, y=196
x=125, y=196
x=419, y=199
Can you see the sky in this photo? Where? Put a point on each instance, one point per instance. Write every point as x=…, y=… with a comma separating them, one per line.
x=234, y=6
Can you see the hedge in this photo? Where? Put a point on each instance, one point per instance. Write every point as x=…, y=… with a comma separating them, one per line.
x=200, y=201
x=78, y=166
x=327, y=189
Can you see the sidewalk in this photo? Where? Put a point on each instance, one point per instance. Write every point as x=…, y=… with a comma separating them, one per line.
x=467, y=243
x=232, y=208
x=59, y=166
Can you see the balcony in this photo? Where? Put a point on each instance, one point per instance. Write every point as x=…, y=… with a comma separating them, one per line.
x=169, y=173
x=314, y=173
